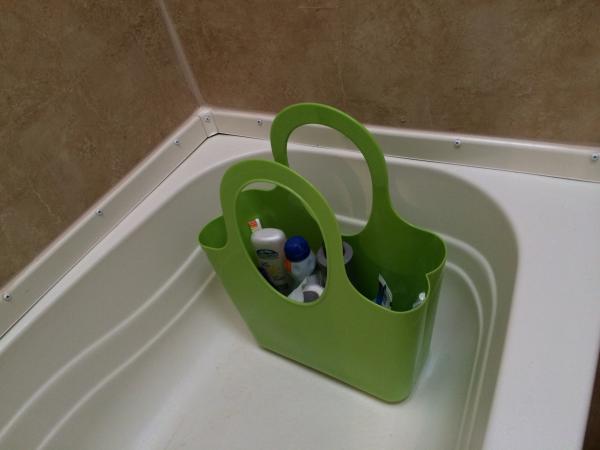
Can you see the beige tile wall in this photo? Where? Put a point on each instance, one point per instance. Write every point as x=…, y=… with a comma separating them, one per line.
x=87, y=89
x=509, y=68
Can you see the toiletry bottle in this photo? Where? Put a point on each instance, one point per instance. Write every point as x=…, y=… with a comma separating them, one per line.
x=384, y=294
x=308, y=290
x=268, y=244
x=420, y=300
x=322, y=260
x=301, y=260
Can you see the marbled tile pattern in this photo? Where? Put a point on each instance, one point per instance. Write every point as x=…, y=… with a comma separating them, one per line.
x=514, y=68
x=87, y=89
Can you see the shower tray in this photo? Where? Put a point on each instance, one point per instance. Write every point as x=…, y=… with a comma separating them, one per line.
x=138, y=346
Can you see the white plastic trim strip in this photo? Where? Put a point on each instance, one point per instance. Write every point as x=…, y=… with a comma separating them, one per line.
x=31, y=283
x=208, y=121
x=534, y=157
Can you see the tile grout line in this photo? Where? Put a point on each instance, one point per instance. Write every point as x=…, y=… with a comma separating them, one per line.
x=182, y=60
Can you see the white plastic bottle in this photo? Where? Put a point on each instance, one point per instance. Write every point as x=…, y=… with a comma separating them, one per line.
x=268, y=244
x=301, y=259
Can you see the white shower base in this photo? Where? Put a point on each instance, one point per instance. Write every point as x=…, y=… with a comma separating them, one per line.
x=138, y=346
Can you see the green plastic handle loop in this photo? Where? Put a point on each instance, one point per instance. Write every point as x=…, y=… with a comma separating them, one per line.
x=244, y=173
x=300, y=114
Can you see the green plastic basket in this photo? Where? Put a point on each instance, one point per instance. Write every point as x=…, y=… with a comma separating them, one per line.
x=343, y=334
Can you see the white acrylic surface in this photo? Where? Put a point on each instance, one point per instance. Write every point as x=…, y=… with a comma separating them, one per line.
x=139, y=347
x=32, y=282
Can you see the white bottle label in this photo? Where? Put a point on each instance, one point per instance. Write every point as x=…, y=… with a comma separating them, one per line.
x=302, y=269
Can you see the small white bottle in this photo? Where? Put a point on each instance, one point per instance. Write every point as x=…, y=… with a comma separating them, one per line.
x=268, y=244
x=301, y=259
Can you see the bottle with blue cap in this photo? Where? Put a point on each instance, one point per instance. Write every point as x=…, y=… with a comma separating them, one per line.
x=301, y=260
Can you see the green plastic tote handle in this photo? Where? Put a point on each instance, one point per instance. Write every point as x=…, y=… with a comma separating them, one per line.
x=409, y=258
x=300, y=114
x=246, y=172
